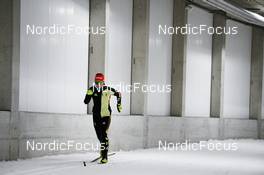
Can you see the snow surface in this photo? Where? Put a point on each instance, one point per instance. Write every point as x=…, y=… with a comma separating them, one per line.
x=247, y=160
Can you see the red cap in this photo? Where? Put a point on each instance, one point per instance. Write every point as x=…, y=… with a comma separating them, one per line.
x=99, y=77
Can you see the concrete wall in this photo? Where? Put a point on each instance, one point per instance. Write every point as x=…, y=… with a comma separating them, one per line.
x=126, y=132
x=42, y=128
x=51, y=78
x=4, y=135
x=262, y=129
x=242, y=128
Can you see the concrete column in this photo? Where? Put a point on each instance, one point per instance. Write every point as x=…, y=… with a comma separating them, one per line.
x=178, y=60
x=9, y=70
x=14, y=130
x=5, y=54
x=256, y=75
x=139, y=53
x=218, y=56
x=98, y=50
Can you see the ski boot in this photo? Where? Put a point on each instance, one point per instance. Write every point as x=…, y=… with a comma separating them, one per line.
x=104, y=159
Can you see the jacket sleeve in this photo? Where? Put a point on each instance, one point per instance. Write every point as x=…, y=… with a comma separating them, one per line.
x=88, y=96
x=118, y=95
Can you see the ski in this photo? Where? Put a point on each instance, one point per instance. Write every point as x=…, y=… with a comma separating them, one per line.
x=94, y=160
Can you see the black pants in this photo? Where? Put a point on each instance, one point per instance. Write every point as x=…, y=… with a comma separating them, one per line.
x=101, y=125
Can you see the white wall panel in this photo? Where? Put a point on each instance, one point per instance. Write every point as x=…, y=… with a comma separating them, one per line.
x=119, y=44
x=198, y=65
x=237, y=72
x=159, y=60
x=53, y=68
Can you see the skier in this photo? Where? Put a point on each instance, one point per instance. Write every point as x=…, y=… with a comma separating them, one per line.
x=101, y=95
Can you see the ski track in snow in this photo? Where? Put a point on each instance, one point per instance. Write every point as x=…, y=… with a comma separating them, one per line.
x=247, y=160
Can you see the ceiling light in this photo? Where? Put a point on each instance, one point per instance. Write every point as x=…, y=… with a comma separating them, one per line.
x=237, y=12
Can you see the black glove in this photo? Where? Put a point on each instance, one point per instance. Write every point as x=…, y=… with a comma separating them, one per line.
x=119, y=107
